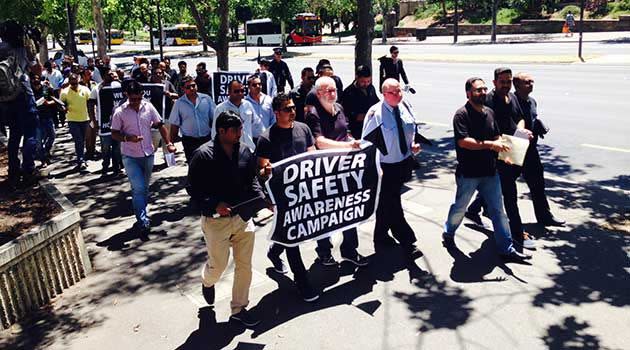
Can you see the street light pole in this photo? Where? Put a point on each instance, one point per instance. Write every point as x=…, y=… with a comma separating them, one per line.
x=581, y=30
x=159, y=16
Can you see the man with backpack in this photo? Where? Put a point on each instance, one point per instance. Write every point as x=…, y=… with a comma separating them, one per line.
x=16, y=96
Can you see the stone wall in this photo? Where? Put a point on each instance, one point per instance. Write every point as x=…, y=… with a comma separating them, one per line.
x=524, y=27
x=40, y=264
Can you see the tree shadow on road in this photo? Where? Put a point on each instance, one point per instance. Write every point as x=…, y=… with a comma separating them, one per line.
x=571, y=335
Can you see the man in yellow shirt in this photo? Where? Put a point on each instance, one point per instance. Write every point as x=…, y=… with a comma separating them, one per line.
x=76, y=97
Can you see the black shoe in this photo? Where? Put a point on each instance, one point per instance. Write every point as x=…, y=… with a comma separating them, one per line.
x=327, y=260
x=474, y=218
x=208, y=294
x=357, y=260
x=278, y=264
x=553, y=221
x=448, y=240
x=515, y=257
x=412, y=252
x=245, y=318
x=309, y=294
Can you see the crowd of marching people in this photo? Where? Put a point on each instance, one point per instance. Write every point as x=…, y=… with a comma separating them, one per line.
x=231, y=148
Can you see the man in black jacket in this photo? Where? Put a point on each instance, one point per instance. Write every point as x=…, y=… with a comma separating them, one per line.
x=222, y=175
x=358, y=98
x=392, y=67
x=280, y=70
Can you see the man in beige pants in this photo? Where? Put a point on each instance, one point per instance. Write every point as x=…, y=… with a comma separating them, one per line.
x=222, y=176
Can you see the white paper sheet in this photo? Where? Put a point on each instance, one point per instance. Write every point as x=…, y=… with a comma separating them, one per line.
x=518, y=148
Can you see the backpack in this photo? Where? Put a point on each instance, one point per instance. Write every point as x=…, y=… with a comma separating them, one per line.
x=10, y=84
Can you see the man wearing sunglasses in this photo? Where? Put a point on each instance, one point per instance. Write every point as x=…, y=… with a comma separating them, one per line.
x=131, y=124
x=192, y=116
x=298, y=95
x=477, y=142
x=252, y=125
x=392, y=67
x=286, y=138
x=261, y=104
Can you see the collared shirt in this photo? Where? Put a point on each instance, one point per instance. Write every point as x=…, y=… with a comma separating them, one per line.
x=129, y=122
x=358, y=101
x=268, y=82
x=382, y=113
x=214, y=177
x=281, y=73
x=250, y=121
x=193, y=120
x=264, y=112
x=76, y=102
x=55, y=78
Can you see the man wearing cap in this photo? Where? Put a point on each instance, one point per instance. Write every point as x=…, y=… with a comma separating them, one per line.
x=392, y=67
x=397, y=122
x=222, y=174
x=280, y=70
x=252, y=125
x=358, y=98
x=330, y=129
x=192, y=115
x=267, y=79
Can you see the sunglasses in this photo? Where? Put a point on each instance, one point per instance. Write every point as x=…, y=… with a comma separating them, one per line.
x=238, y=91
x=191, y=86
x=288, y=109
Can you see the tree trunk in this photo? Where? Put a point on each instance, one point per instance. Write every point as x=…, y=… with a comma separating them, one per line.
x=99, y=26
x=43, y=45
x=71, y=45
x=364, y=35
x=201, y=24
x=493, y=34
x=151, y=45
x=223, y=43
x=444, y=14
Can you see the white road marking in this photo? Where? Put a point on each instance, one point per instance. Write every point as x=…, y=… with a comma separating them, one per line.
x=606, y=148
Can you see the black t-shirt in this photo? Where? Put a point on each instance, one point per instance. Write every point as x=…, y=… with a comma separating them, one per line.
x=322, y=123
x=468, y=122
x=277, y=143
x=507, y=115
x=298, y=95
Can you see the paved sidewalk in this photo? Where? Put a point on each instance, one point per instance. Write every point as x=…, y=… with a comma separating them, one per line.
x=146, y=294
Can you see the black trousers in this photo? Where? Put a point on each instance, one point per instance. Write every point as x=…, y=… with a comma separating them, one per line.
x=533, y=173
x=295, y=263
x=389, y=214
x=191, y=144
x=348, y=247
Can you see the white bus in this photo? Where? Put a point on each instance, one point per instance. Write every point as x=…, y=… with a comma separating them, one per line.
x=263, y=32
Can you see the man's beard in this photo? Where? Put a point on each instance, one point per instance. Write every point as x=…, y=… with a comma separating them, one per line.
x=327, y=105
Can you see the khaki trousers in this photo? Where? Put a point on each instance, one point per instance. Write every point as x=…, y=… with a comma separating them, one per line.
x=220, y=234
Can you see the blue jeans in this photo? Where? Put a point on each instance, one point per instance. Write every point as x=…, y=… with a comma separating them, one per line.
x=45, y=137
x=78, y=130
x=23, y=121
x=110, y=150
x=139, y=174
x=489, y=188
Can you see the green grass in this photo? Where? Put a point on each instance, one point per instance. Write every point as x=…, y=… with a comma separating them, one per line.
x=433, y=11
x=615, y=9
x=575, y=10
x=507, y=16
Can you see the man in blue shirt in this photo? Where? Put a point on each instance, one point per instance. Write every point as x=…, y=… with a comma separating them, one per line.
x=192, y=115
x=397, y=122
x=261, y=104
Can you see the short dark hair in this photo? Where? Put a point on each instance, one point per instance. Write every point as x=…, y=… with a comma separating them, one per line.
x=202, y=65
x=501, y=70
x=252, y=78
x=264, y=62
x=279, y=100
x=181, y=62
x=470, y=82
x=392, y=49
x=47, y=64
x=155, y=60
x=227, y=119
x=307, y=70
x=134, y=87
x=232, y=83
x=363, y=71
x=187, y=79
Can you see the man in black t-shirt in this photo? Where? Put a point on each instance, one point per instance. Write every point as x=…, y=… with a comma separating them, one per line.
x=476, y=143
x=509, y=118
x=330, y=128
x=298, y=95
x=285, y=139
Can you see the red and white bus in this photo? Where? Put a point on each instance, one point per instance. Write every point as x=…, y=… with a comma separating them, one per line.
x=304, y=29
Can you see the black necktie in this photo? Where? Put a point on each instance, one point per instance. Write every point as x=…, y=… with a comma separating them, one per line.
x=402, y=140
